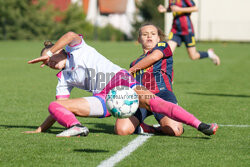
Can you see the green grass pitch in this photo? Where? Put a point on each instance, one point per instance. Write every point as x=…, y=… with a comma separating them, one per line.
x=213, y=94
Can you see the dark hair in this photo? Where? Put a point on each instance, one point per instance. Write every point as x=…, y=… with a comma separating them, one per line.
x=47, y=45
x=160, y=32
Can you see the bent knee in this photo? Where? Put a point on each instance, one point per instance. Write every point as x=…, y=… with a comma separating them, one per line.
x=194, y=56
x=123, y=131
x=52, y=105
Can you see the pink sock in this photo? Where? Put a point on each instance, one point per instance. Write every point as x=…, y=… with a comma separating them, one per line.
x=173, y=111
x=62, y=115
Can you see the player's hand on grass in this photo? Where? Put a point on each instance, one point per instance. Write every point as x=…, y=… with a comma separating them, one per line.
x=34, y=131
x=38, y=130
x=44, y=59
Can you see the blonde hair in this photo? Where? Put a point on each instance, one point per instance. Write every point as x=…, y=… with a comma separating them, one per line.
x=161, y=34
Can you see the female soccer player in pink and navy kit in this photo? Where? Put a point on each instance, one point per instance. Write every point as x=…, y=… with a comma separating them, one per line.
x=83, y=67
x=183, y=31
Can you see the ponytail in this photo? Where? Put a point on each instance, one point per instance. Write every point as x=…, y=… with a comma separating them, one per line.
x=47, y=45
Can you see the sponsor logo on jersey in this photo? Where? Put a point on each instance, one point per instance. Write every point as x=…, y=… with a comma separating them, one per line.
x=161, y=44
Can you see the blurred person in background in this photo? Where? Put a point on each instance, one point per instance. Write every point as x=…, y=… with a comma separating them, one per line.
x=182, y=30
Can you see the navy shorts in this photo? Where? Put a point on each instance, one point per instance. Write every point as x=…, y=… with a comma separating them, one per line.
x=141, y=114
x=189, y=39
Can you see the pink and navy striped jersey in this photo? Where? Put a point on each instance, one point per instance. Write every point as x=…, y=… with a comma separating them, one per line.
x=157, y=77
x=182, y=24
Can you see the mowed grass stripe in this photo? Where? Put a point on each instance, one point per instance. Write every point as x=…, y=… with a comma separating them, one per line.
x=213, y=94
x=124, y=152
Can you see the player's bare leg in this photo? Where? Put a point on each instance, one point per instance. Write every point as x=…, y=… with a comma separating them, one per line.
x=155, y=104
x=64, y=112
x=193, y=54
x=126, y=126
x=170, y=127
x=78, y=106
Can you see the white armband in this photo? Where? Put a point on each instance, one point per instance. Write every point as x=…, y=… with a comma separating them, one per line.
x=49, y=53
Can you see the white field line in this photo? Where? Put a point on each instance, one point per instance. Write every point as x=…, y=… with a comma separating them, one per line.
x=134, y=144
x=237, y=126
x=124, y=152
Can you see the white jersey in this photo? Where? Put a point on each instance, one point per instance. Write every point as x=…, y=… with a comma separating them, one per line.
x=85, y=69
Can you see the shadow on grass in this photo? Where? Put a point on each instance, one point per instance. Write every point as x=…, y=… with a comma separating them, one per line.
x=90, y=150
x=184, y=137
x=34, y=127
x=101, y=128
x=22, y=126
x=200, y=138
x=218, y=94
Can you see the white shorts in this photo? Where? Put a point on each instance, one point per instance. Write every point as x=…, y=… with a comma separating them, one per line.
x=97, y=107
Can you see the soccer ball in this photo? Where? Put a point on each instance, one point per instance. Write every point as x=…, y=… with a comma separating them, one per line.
x=122, y=102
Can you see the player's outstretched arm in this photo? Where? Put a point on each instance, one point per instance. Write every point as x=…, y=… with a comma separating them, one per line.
x=70, y=38
x=49, y=121
x=43, y=59
x=175, y=8
x=147, y=61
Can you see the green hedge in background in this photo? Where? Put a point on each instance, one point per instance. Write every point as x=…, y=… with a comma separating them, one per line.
x=149, y=13
x=22, y=19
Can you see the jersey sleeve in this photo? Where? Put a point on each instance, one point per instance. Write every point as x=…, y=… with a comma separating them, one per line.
x=132, y=63
x=164, y=48
x=190, y=3
x=63, y=89
x=70, y=48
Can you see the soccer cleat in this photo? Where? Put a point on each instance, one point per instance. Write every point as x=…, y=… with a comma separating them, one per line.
x=75, y=130
x=209, y=129
x=213, y=57
x=144, y=129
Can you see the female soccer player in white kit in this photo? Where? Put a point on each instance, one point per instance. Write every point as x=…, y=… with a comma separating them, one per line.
x=83, y=67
